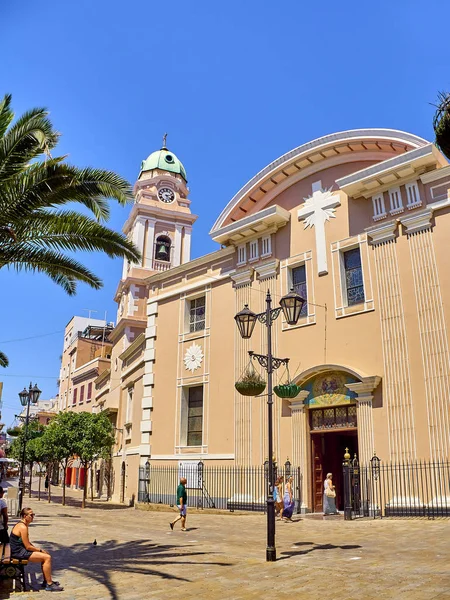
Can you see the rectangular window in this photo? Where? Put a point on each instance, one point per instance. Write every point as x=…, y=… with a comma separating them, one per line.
x=353, y=277
x=266, y=246
x=75, y=393
x=412, y=195
x=253, y=246
x=81, y=394
x=379, y=209
x=299, y=285
x=89, y=392
x=129, y=410
x=197, y=314
x=395, y=198
x=242, y=254
x=195, y=416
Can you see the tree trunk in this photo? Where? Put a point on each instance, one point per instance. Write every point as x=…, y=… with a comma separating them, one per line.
x=64, y=485
x=83, y=502
x=92, y=483
x=31, y=479
x=49, y=470
x=39, y=486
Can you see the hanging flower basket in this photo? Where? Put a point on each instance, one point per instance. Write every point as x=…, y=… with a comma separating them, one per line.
x=13, y=431
x=287, y=390
x=250, y=388
x=251, y=383
x=441, y=123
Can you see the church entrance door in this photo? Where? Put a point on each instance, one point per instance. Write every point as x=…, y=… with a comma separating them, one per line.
x=328, y=446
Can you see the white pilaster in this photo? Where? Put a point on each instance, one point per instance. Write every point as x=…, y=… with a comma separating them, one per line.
x=299, y=415
x=186, y=255
x=366, y=440
x=139, y=233
x=150, y=245
x=177, y=249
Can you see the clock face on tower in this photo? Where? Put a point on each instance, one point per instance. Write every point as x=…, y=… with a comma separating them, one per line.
x=166, y=195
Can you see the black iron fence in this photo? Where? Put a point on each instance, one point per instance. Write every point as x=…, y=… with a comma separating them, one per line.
x=411, y=489
x=213, y=486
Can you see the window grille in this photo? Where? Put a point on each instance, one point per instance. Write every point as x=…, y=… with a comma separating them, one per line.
x=354, y=283
x=266, y=246
x=395, y=198
x=379, y=209
x=197, y=314
x=299, y=285
x=253, y=250
x=412, y=195
x=195, y=416
x=242, y=254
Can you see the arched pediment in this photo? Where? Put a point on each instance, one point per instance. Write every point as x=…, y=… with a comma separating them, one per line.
x=320, y=369
x=348, y=146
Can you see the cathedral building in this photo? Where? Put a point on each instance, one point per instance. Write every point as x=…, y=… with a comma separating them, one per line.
x=356, y=222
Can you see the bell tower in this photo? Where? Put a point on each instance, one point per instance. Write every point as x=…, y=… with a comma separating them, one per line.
x=160, y=225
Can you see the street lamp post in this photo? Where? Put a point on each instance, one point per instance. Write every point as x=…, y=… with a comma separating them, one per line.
x=26, y=397
x=292, y=305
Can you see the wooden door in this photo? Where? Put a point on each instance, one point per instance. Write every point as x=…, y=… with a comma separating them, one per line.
x=317, y=475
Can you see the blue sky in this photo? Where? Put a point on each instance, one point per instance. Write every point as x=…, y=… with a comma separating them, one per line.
x=234, y=84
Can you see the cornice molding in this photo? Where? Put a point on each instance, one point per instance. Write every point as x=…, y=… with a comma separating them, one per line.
x=133, y=347
x=382, y=233
x=418, y=221
x=266, y=270
x=435, y=175
x=242, y=277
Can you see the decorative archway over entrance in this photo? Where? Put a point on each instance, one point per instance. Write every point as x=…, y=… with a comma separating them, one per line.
x=333, y=409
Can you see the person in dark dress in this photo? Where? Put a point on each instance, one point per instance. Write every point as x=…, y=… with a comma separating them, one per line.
x=21, y=547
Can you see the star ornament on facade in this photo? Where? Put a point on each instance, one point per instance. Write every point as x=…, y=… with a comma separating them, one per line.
x=193, y=358
x=312, y=209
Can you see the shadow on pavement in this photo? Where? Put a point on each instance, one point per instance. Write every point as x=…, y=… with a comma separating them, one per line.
x=290, y=553
x=100, y=562
x=56, y=498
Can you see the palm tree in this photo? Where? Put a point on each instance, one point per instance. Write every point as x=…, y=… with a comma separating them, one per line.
x=37, y=230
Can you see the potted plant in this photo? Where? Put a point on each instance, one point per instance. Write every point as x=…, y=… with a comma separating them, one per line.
x=251, y=383
x=287, y=390
x=13, y=431
x=441, y=123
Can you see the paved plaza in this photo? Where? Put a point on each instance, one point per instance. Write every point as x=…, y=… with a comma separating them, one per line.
x=223, y=556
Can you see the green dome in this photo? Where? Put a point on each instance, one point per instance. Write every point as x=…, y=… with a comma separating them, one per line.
x=166, y=161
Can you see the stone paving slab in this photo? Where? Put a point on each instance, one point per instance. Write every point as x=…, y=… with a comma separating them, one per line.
x=223, y=556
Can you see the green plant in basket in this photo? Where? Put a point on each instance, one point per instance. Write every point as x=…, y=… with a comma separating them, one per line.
x=251, y=383
x=287, y=390
x=13, y=431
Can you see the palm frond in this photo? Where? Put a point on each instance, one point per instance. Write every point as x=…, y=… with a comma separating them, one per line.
x=4, y=362
x=61, y=269
x=6, y=114
x=34, y=232
x=71, y=231
x=25, y=140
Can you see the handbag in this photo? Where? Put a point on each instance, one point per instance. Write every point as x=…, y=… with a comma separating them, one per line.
x=330, y=493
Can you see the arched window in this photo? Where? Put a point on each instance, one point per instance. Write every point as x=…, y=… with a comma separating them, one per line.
x=162, y=248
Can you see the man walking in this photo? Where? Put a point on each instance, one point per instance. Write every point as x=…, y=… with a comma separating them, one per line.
x=182, y=504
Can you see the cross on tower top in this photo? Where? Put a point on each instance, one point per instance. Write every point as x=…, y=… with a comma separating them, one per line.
x=318, y=209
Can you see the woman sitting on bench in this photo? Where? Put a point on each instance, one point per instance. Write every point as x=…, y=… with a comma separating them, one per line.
x=22, y=548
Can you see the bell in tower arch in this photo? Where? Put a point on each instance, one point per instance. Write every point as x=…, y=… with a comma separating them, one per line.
x=162, y=248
